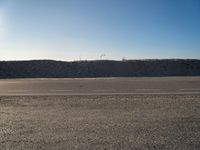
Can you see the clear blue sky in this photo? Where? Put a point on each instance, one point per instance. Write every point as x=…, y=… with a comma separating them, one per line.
x=85, y=29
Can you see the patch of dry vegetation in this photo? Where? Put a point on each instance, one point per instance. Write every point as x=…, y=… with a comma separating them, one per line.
x=103, y=68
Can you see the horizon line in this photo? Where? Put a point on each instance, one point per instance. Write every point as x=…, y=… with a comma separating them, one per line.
x=99, y=59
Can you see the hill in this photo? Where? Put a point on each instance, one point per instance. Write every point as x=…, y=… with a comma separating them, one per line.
x=99, y=68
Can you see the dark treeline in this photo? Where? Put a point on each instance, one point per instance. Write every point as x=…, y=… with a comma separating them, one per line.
x=99, y=68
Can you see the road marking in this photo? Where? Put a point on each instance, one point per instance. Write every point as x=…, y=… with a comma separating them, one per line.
x=147, y=89
x=93, y=94
x=54, y=79
x=61, y=90
x=190, y=89
x=9, y=82
x=104, y=90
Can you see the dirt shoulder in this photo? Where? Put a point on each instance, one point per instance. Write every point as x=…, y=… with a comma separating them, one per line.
x=100, y=122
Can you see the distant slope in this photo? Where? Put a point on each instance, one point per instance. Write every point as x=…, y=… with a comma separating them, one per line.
x=99, y=68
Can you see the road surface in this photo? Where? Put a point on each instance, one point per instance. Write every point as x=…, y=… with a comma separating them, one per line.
x=100, y=113
x=101, y=86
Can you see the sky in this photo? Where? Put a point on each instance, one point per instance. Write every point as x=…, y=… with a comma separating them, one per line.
x=88, y=29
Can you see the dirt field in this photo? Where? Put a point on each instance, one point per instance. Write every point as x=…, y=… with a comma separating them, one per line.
x=100, y=122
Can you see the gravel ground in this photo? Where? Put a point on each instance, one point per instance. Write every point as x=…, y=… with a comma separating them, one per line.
x=100, y=122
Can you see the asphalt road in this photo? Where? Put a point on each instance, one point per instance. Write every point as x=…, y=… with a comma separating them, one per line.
x=101, y=86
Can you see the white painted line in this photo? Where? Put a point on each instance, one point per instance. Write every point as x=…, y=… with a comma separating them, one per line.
x=190, y=89
x=95, y=94
x=105, y=90
x=61, y=90
x=147, y=89
x=10, y=82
